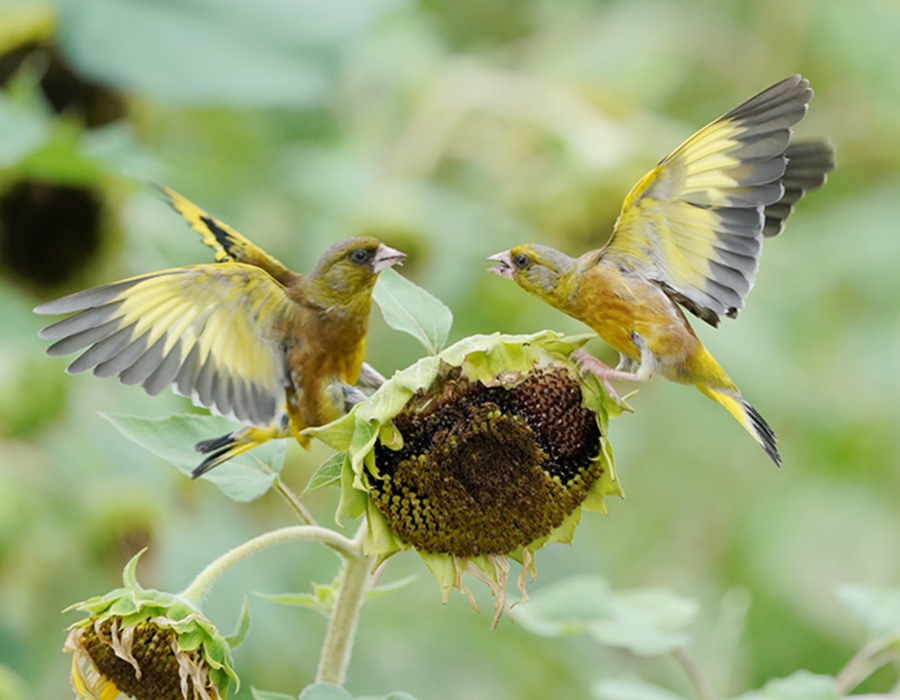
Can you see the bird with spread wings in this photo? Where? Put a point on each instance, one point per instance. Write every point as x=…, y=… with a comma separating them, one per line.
x=245, y=336
x=689, y=236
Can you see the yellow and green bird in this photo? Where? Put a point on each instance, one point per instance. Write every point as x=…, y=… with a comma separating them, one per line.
x=689, y=236
x=245, y=336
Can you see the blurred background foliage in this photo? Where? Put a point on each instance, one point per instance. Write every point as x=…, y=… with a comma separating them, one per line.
x=453, y=130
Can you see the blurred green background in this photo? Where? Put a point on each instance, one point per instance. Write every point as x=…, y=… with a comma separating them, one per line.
x=453, y=130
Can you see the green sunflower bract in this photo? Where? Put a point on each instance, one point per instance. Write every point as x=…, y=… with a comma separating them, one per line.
x=482, y=453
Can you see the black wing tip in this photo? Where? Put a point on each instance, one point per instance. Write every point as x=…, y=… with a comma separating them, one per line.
x=156, y=186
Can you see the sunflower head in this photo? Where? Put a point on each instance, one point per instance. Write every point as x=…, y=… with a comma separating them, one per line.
x=147, y=645
x=482, y=453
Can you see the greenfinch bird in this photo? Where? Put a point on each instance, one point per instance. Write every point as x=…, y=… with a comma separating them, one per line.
x=689, y=236
x=245, y=337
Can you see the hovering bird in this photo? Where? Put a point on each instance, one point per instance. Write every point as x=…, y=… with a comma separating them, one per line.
x=689, y=236
x=245, y=336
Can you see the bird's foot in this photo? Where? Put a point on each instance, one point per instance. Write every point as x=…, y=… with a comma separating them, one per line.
x=588, y=363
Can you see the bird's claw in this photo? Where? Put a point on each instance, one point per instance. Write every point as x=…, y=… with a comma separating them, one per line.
x=587, y=363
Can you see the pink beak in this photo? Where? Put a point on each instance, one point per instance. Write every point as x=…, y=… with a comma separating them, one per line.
x=386, y=257
x=505, y=266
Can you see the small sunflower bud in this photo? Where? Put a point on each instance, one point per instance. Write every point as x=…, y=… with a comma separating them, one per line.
x=147, y=645
x=486, y=451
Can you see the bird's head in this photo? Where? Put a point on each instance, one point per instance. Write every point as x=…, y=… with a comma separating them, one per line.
x=537, y=269
x=347, y=270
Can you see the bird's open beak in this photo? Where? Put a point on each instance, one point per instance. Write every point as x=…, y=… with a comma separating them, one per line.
x=386, y=257
x=504, y=268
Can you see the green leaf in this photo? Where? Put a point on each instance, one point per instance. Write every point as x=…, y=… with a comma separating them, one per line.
x=646, y=622
x=408, y=308
x=12, y=686
x=324, y=691
x=270, y=53
x=801, y=685
x=631, y=689
x=268, y=695
x=391, y=587
x=878, y=609
x=323, y=596
x=566, y=607
x=643, y=621
x=243, y=478
x=129, y=574
x=327, y=691
x=21, y=132
x=321, y=599
x=236, y=638
x=298, y=600
x=328, y=474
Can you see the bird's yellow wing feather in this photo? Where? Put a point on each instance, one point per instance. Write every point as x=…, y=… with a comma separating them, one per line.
x=211, y=331
x=228, y=245
x=695, y=222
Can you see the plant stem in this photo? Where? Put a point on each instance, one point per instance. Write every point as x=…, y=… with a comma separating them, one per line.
x=294, y=502
x=698, y=679
x=864, y=663
x=345, y=614
x=200, y=586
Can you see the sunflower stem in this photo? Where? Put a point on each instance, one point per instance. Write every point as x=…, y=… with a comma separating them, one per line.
x=867, y=660
x=294, y=502
x=348, y=605
x=200, y=586
x=698, y=679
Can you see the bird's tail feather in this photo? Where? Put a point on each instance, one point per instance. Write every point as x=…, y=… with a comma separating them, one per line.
x=221, y=449
x=747, y=416
x=225, y=447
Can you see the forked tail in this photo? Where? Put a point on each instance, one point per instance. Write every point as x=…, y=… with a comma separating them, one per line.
x=747, y=416
x=225, y=447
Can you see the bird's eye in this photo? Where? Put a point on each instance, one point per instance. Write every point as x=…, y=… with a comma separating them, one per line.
x=521, y=260
x=360, y=255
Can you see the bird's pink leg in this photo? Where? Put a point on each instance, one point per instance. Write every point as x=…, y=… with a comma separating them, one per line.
x=588, y=363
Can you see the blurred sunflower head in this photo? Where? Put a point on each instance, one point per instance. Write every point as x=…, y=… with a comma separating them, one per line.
x=147, y=645
x=480, y=454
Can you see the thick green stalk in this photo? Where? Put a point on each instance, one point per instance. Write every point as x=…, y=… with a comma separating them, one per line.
x=348, y=605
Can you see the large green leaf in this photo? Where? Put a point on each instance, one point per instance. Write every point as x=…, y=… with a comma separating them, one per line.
x=409, y=308
x=21, y=131
x=801, y=685
x=243, y=478
x=566, y=607
x=268, y=695
x=644, y=621
x=327, y=691
x=268, y=53
x=324, y=691
x=878, y=609
x=631, y=689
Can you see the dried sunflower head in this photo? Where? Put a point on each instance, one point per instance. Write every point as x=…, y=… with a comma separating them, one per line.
x=147, y=645
x=482, y=453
